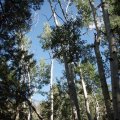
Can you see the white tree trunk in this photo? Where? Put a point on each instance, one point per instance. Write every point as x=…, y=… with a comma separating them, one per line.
x=51, y=90
x=70, y=78
x=85, y=96
x=30, y=110
x=97, y=113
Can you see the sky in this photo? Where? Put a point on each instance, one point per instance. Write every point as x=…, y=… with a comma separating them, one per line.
x=39, y=19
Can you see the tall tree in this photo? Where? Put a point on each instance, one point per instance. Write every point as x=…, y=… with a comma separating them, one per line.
x=71, y=85
x=85, y=95
x=113, y=62
x=15, y=18
x=51, y=89
x=100, y=64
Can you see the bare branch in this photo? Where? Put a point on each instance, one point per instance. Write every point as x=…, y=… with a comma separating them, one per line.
x=62, y=10
x=60, y=17
x=48, y=19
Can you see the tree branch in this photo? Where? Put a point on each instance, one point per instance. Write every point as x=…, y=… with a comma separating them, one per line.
x=62, y=10
x=30, y=104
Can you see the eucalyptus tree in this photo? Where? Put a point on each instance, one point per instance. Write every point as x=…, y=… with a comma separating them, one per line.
x=58, y=49
x=51, y=89
x=85, y=94
x=115, y=24
x=67, y=49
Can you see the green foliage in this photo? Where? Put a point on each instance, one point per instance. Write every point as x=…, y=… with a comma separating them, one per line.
x=45, y=38
x=90, y=75
x=65, y=38
x=62, y=106
x=40, y=76
x=16, y=61
x=17, y=14
x=13, y=94
x=15, y=19
x=84, y=11
x=14, y=89
x=44, y=72
x=115, y=7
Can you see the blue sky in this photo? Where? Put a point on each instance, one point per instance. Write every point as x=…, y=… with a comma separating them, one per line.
x=39, y=18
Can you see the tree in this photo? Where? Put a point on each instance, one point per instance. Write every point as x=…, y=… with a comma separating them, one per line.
x=62, y=105
x=57, y=47
x=15, y=19
x=60, y=49
x=99, y=57
x=14, y=85
x=113, y=63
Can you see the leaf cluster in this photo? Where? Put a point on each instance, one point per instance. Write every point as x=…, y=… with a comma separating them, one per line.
x=66, y=38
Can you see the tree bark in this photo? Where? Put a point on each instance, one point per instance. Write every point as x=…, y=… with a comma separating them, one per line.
x=104, y=86
x=69, y=75
x=51, y=90
x=115, y=81
x=97, y=113
x=85, y=96
x=34, y=109
x=72, y=89
x=30, y=110
x=101, y=70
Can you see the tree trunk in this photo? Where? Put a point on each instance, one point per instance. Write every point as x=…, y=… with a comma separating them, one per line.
x=85, y=96
x=51, y=90
x=113, y=63
x=34, y=109
x=101, y=70
x=30, y=110
x=104, y=86
x=69, y=75
x=97, y=113
x=17, y=114
x=72, y=89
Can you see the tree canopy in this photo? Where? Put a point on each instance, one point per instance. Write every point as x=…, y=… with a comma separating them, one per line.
x=83, y=37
